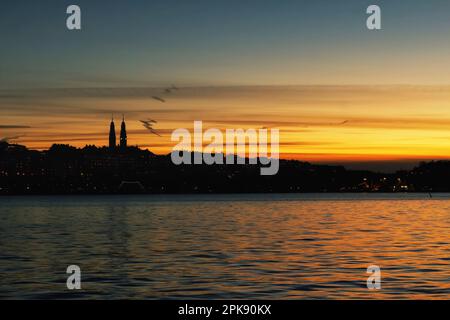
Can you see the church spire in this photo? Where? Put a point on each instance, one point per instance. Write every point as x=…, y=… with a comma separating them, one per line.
x=123, y=134
x=112, y=134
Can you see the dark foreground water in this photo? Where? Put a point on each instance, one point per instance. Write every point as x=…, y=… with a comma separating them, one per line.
x=249, y=246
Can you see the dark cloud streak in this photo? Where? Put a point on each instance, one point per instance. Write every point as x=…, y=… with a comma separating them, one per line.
x=9, y=126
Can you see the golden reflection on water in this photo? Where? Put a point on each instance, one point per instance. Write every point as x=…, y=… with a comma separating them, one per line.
x=225, y=247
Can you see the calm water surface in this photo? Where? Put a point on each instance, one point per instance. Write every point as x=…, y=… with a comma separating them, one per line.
x=225, y=246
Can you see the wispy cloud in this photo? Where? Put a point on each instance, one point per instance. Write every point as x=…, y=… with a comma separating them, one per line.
x=13, y=126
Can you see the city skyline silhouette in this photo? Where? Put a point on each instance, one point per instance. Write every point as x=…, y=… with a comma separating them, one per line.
x=119, y=168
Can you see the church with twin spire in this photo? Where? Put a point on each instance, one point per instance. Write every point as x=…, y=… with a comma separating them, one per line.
x=112, y=135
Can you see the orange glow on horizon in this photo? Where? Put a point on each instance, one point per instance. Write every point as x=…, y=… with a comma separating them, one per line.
x=316, y=123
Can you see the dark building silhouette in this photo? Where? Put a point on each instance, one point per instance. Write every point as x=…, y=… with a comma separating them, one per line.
x=112, y=135
x=64, y=169
x=123, y=134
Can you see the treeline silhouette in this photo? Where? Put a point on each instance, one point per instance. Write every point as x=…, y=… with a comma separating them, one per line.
x=64, y=169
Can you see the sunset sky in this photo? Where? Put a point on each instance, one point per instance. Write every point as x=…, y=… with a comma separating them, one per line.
x=304, y=67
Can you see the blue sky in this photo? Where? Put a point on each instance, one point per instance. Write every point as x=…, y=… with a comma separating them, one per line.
x=196, y=42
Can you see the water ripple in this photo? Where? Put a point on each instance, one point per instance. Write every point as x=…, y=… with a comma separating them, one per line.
x=248, y=246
